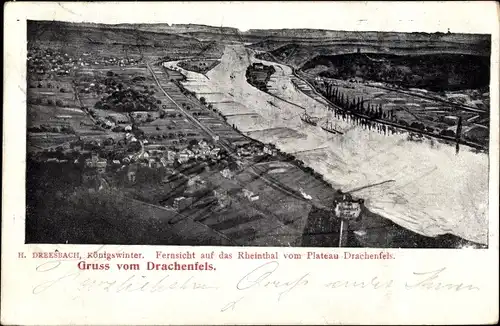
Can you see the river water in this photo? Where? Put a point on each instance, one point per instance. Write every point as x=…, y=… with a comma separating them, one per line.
x=434, y=190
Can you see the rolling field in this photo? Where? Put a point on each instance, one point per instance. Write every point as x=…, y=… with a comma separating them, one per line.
x=232, y=108
x=51, y=97
x=41, y=114
x=276, y=134
x=37, y=141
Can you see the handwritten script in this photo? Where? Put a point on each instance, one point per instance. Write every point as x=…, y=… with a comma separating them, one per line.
x=268, y=279
x=266, y=276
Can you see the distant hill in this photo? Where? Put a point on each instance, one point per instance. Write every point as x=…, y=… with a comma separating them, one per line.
x=292, y=46
x=223, y=37
x=437, y=71
x=298, y=53
x=329, y=35
x=93, y=33
x=115, y=37
x=297, y=46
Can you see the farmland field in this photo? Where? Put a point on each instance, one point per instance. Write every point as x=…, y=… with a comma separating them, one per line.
x=200, y=66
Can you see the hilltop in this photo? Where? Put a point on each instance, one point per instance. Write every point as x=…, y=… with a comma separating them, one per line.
x=115, y=38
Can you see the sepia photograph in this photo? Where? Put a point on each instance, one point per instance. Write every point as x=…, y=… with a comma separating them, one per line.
x=187, y=134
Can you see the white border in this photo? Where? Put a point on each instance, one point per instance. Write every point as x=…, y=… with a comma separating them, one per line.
x=69, y=301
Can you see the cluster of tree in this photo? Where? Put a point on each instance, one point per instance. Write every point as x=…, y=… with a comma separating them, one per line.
x=51, y=102
x=164, y=114
x=199, y=67
x=356, y=105
x=447, y=133
x=128, y=100
x=258, y=75
x=184, y=91
x=363, y=114
x=47, y=128
x=138, y=79
x=48, y=85
x=168, y=135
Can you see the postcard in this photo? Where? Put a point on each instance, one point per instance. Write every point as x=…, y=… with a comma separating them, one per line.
x=250, y=163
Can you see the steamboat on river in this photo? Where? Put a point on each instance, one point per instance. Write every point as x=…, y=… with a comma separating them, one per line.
x=308, y=119
x=331, y=128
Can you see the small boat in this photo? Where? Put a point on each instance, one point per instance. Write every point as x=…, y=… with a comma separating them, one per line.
x=272, y=103
x=308, y=119
x=328, y=127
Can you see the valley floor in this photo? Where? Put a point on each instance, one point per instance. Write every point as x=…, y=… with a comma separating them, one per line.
x=434, y=191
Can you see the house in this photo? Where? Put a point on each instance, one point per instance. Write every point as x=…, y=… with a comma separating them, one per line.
x=214, y=153
x=131, y=173
x=205, y=152
x=250, y=195
x=270, y=151
x=226, y=173
x=109, y=124
x=94, y=162
x=203, y=144
x=258, y=66
x=170, y=156
x=185, y=155
x=144, y=155
x=181, y=203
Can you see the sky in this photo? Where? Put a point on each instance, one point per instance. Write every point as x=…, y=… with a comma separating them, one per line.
x=459, y=17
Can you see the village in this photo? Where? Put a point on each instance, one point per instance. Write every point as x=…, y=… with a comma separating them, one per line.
x=106, y=121
x=101, y=164
x=48, y=61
